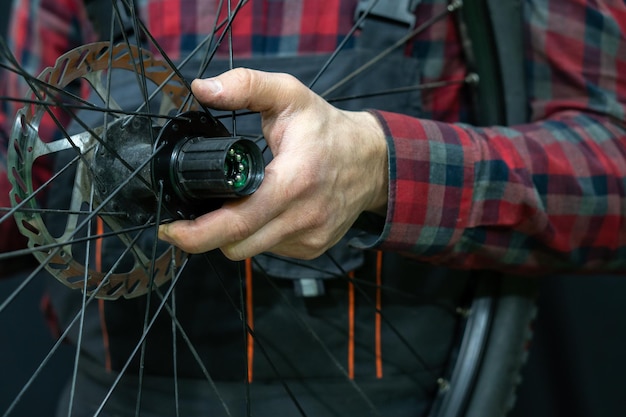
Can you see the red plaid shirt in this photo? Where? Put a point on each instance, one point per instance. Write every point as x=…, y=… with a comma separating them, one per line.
x=549, y=195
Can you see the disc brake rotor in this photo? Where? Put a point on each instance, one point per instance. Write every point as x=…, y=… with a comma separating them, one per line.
x=58, y=252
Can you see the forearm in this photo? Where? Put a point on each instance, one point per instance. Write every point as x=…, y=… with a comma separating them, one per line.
x=543, y=196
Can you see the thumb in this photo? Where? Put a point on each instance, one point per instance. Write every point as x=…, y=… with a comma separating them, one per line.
x=257, y=91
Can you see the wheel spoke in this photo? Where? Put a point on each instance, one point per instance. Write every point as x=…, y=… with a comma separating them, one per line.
x=161, y=94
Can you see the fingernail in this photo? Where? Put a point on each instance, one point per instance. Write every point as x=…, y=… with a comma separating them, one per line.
x=213, y=85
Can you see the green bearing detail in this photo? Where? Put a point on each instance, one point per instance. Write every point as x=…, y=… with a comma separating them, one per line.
x=237, y=167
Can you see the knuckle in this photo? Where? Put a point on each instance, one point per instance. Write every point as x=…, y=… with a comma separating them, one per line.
x=314, y=245
x=240, y=229
x=313, y=240
x=242, y=75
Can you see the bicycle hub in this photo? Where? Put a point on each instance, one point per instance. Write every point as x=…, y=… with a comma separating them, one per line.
x=200, y=164
x=197, y=166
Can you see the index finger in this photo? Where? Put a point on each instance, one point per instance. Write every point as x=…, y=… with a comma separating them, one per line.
x=235, y=221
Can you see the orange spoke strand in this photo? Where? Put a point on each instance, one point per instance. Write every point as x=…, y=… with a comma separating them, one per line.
x=379, y=350
x=249, y=318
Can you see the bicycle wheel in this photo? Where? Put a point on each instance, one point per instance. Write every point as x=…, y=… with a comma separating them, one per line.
x=382, y=336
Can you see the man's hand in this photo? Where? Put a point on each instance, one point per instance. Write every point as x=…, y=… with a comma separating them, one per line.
x=329, y=166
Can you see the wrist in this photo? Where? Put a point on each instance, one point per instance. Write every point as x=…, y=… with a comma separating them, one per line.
x=378, y=169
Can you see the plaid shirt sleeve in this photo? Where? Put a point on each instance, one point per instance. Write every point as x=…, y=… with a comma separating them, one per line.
x=41, y=31
x=549, y=195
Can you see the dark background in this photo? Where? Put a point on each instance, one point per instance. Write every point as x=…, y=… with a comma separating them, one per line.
x=577, y=360
x=576, y=366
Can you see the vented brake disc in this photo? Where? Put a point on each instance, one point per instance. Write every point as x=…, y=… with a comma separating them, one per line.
x=119, y=169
